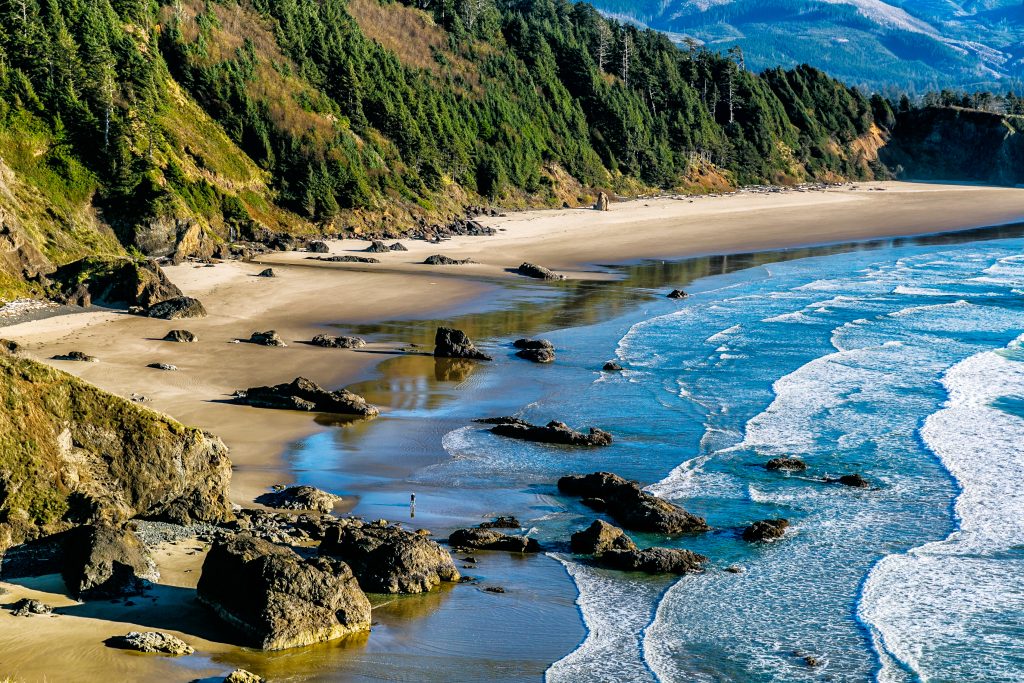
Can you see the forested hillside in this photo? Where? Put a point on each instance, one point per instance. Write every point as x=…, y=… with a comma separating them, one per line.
x=127, y=124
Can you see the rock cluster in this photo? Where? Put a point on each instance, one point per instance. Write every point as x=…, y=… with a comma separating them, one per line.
x=536, y=350
x=152, y=641
x=117, y=281
x=489, y=539
x=27, y=607
x=345, y=258
x=504, y=522
x=538, y=272
x=629, y=505
x=451, y=343
x=303, y=394
x=553, y=432
x=177, y=308
x=299, y=498
x=388, y=559
x=442, y=260
x=331, y=342
x=276, y=598
x=765, y=530
x=318, y=247
x=852, y=480
x=268, y=338
x=181, y=336
x=105, y=561
x=612, y=366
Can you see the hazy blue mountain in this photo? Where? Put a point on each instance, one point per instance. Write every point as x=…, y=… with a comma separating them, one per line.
x=917, y=44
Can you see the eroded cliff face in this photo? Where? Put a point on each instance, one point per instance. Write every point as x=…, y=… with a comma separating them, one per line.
x=71, y=454
x=957, y=144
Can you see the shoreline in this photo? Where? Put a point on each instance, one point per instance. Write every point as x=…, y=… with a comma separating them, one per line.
x=311, y=297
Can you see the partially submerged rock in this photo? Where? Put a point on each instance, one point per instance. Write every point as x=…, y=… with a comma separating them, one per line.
x=299, y=498
x=553, y=432
x=536, y=350
x=503, y=522
x=489, y=539
x=268, y=338
x=765, y=530
x=852, y=480
x=303, y=394
x=178, y=308
x=181, y=336
x=105, y=561
x=599, y=538
x=388, y=559
x=677, y=294
x=26, y=607
x=77, y=356
x=785, y=465
x=538, y=272
x=151, y=641
x=612, y=366
x=331, y=342
x=654, y=560
x=452, y=343
x=113, y=281
x=276, y=598
x=442, y=260
x=631, y=506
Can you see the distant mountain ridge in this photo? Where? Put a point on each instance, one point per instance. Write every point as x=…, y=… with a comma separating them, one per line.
x=905, y=44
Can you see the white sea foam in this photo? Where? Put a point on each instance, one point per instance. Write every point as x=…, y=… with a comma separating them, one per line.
x=719, y=337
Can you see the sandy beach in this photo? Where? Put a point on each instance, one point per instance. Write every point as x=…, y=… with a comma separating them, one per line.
x=308, y=297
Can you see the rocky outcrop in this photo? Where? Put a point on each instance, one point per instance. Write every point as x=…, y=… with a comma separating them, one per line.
x=600, y=537
x=117, y=281
x=19, y=258
x=785, y=465
x=677, y=294
x=72, y=454
x=442, y=260
x=654, y=561
x=451, y=343
x=268, y=338
x=553, y=432
x=178, y=308
x=765, y=530
x=503, y=522
x=181, y=336
x=331, y=342
x=344, y=258
x=299, y=498
x=631, y=506
x=602, y=202
x=105, y=561
x=388, y=559
x=536, y=350
x=538, y=272
x=26, y=607
x=276, y=598
x=76, y=356
x=303, y=394
x=192, y=242
x=155, y=642
x=489, y=539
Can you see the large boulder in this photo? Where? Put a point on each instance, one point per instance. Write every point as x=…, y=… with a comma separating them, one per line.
x=117, y=281
x=303, y=394
x=765, y=530
x=489, y=539
x=178, y=308
x=299, y=498
x=388, y=559
x=602, y=202
x=72, y=454
x=553, y=432
x=536, y=350
x=276, y=598
x=105, y=561
x=538, y=272
x=599, y=538
x=631, y=506
x=654, y=560
x=451, y=343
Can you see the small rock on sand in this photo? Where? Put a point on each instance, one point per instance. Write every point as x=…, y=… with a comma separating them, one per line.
x=151, y=641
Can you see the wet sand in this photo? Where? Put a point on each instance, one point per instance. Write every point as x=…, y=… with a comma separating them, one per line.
x=512, y=636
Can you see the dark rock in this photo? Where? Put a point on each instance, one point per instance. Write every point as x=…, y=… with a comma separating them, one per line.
x=330, y=342
x=852, y=480
x=345, y=258
x=177, y=309
x=318, y=247
x=506, y=522
x=27, y=607
x=734, y=569
x=398, y=246
x=602, y=202
x=77, y=356
x=785, y=465
x=151, y=641
x=677, y=294
x=442, y=260
x=378, y=247
x=612, y=366
x=267, y=272
x=387, y=559
x=104, y=561
x=597, y=504
x=536, y=350
x=268, y=338
x=538, y=272
x=302, y=394
x=533, y=344
x=163, y=366
x=631, y=506
x=654, y=561
x=117, y=281
x=554, y=433
x=765, y=530
x=278, y=599
x=599, y=538
x=182, y=336
x=494, y=589
x=451, y=343
x=502, y=421
x=488, y=539
x=299, y=498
